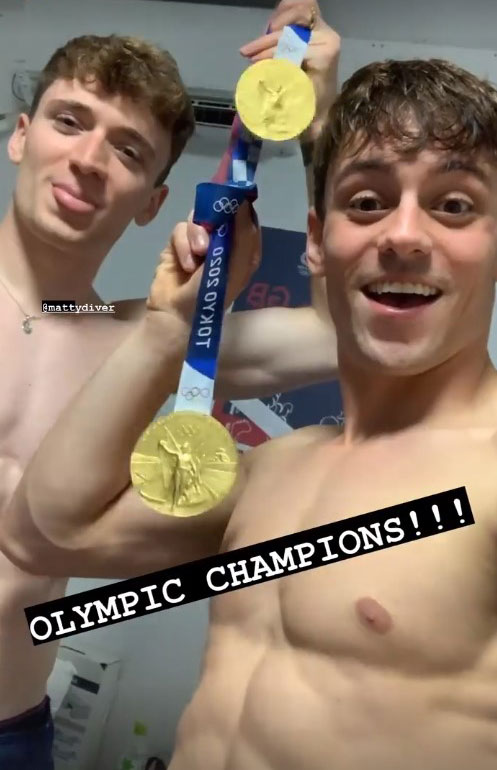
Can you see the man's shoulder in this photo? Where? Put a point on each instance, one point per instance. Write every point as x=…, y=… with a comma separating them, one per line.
x=297, y=440
x=129, y=309
x=310, y=434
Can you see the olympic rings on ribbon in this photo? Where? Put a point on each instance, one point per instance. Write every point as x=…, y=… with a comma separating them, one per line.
x=226, y=205
x=191, y=393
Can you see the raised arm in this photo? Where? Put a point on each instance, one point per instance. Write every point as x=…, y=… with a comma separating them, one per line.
x=74, y=512
x=277, y=349
x=272, y=350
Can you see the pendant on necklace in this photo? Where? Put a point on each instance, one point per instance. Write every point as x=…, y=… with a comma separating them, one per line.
x=26, y=324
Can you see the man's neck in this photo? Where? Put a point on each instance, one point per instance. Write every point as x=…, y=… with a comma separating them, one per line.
x=462, y=391
x=33, y=271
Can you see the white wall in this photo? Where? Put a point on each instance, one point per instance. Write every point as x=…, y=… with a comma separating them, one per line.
x=162, y=653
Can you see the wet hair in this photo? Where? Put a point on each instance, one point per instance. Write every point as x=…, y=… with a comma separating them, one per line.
x=129, y=67
x=413, y=105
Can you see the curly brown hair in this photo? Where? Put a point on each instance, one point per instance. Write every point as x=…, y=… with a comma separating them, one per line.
x=130, y=67
x=413, y=104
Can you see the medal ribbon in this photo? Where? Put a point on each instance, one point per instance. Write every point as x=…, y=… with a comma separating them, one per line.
x=216, y=204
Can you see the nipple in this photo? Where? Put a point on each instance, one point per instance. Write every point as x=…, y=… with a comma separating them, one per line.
x=373, y=615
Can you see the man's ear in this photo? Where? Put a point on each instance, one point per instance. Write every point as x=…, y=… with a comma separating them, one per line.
x=151, y=210
x=17, y=141
x=315, y=258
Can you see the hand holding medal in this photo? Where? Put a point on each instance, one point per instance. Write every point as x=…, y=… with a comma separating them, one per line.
x=186, y=462
x=275, y=98
x=321, y=56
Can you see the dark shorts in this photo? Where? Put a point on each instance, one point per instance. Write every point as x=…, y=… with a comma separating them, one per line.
x=26, y=740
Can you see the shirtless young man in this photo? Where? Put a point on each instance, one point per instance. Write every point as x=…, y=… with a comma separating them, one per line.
x=52, y=246
x=384, y=662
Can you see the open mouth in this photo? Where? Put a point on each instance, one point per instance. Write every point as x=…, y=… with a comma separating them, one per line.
x=401, y=295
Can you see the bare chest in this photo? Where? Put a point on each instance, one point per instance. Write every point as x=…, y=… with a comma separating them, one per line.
x=429, y=603
x=41, y=373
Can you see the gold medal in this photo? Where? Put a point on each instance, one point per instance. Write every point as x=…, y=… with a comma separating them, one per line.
x=275, y=99
x=184, y=464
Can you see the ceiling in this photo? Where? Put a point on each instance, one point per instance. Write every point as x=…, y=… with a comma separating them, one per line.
x=446, y=22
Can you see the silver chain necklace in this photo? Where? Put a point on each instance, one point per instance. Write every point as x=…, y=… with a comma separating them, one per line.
x=26, y=323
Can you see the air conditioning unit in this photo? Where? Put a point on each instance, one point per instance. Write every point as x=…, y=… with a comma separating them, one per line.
x=213, y=108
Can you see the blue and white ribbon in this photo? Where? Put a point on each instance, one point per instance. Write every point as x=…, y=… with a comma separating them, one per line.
x=215, y=209
x=292, y=44
x=216, y=205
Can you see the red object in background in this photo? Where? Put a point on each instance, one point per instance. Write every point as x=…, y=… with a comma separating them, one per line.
x=240, y=427
x=261, y=295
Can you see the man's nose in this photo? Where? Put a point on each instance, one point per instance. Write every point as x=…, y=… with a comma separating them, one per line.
x=405, y=232
x=90, y=155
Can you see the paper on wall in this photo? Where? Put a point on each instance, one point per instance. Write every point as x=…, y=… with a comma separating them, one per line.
x=59, y=682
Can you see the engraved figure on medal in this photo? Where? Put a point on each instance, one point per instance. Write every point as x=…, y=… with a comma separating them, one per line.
x=186, y=471
x=270, y=102
x=181, y=466
x=275, y=99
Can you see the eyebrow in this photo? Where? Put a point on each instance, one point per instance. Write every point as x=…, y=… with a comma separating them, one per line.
x=131, y=133
x=446, y=166
x=458, y=163
x=358, y=166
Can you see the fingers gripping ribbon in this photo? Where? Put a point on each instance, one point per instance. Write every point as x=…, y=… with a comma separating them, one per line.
x=216, y=206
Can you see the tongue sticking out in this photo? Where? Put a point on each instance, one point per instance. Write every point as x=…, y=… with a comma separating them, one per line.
x=401, y=300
